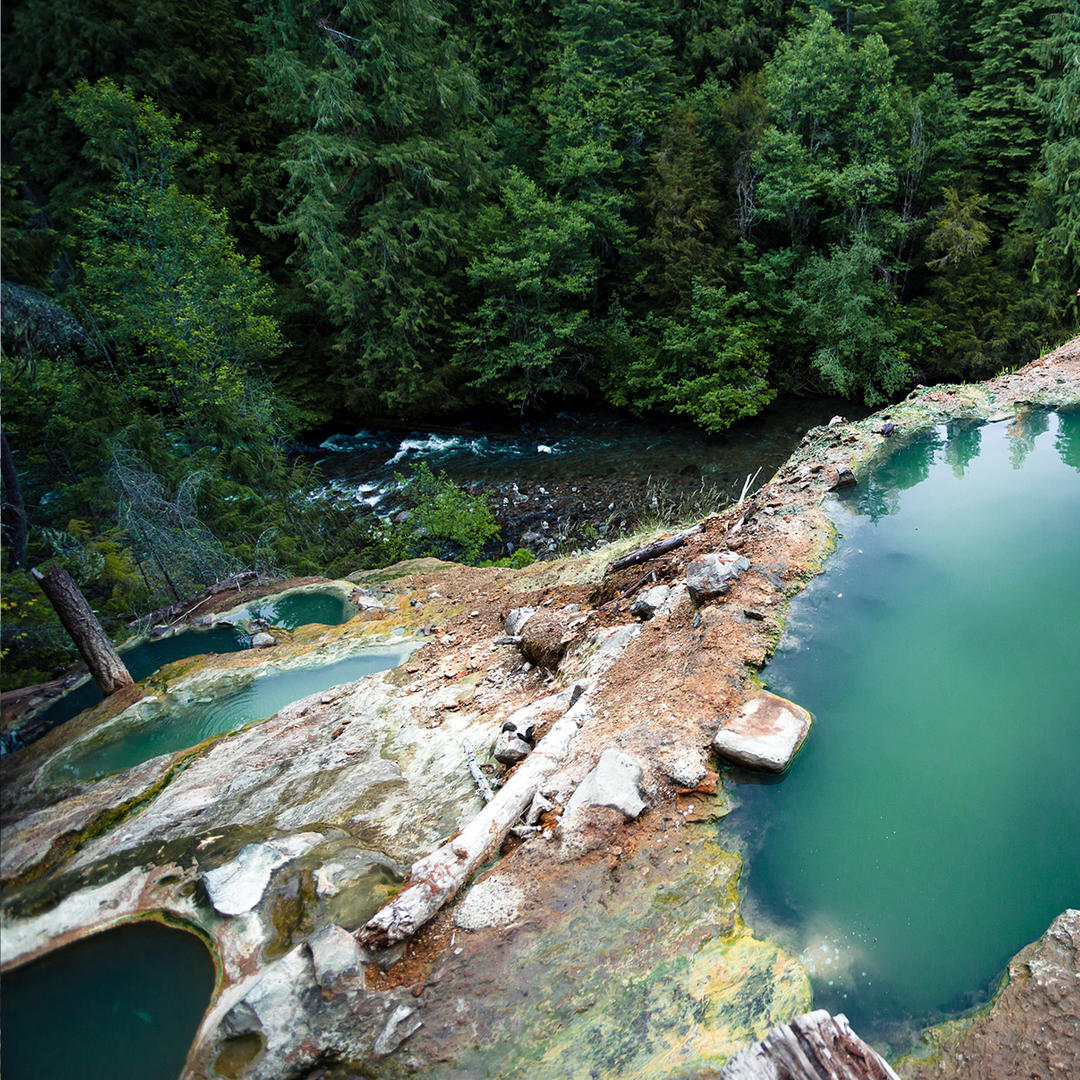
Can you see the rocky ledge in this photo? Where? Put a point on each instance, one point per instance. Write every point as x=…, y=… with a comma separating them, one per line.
x=599, y=934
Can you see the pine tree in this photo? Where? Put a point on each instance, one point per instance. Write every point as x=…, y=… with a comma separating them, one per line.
x=384, y=165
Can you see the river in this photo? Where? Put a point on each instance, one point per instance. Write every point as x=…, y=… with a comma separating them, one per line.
x=577, y=478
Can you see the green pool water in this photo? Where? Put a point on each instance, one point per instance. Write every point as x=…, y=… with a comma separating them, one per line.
x=301, y=608
x=327, y=607
x=179, y=723
x=123, y=1005
x=931, y=825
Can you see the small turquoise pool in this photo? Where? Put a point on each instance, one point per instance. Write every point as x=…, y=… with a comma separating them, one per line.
x=176, y=725
x=327, y=607
x=930, y=827
x=122, y=1005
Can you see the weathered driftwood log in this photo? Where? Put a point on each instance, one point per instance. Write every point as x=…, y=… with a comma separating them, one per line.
x=108, y=670
x=815, y=1046
x=436, y=878
x=481, y=781
x=653, y=551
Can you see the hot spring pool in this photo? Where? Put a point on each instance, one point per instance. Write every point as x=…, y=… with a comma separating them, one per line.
x=930, y=827
x=121, y=1005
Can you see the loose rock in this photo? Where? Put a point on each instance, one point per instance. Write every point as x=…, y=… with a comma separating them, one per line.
x=765, y=733
x=263, y=640
x=712, y=575
x=648, y=603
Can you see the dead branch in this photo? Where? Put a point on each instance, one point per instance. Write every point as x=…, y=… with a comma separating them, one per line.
x=652, y=551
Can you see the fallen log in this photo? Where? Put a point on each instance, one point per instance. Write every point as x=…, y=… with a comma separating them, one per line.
x=436, y=878
x=481, y=781
x=652, y=551
x=815, y=1046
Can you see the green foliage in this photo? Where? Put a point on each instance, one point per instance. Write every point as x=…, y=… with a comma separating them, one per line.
x=529, y=337
x=444, y=519
x=383, y=161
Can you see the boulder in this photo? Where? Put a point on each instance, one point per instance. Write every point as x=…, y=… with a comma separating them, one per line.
x=263, y=640
x=646, y=604
x=765, y=733
x=491, y=902
x=607, y=797
x=337, y=958
x=544, y=639
x=512, y=745
x=712, y=574
x=239, y=885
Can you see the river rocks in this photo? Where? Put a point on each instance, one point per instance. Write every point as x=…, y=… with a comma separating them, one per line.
x=1033, y=1026
x=263, y=640
x=646, y=604
x=765, y=733
x=711, y=575
x=491, y=902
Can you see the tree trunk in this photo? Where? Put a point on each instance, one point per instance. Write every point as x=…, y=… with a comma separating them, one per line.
x=13, y=502
x=108, y=670
x=814, y=1046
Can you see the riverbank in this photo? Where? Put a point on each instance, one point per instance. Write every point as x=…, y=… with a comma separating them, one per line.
x=606, y=942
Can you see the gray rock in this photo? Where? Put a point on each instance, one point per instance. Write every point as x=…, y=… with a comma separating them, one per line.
x=537, y=807
x=404, y=1020
x=337, y=958
x=263, y=640
x=712, y=574
x=511, y=746
x=239, y=885
x=648, y=603
x=517, y=619
x=765, y=733
x=614, y=783
x=365, y=601
x=491, y=902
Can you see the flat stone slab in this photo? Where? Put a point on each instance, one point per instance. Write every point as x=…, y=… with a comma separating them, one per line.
x=239, y=885
x=765, y=733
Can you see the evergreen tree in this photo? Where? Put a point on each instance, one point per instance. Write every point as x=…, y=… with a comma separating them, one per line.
x=384, y=165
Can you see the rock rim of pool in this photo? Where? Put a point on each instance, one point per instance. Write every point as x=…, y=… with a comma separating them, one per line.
x=765, y=733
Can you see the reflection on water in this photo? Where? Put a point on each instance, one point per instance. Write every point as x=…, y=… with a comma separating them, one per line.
x=122, y=1005
x=304, y=607
x=178, y=722
x=931, y=825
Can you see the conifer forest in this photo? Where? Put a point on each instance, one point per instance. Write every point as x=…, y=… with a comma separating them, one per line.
x=230, y=222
